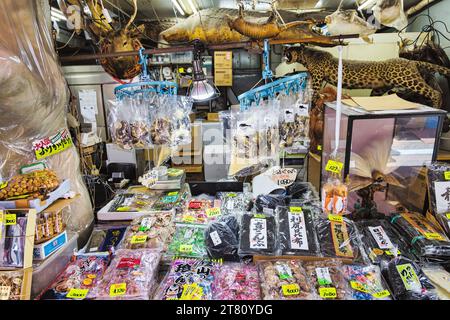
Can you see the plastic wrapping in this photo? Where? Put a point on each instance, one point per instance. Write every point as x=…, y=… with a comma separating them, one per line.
x=104, y=238
x=13, y=240
x=188, y=241
x=13, y=281
x=427, y=241
x=233, y=202
x=130, y=276
x=222, y=238
x=440, y=278
x=132, y=202
x=188, y=279
x=436, y=179
x=198, y=212
x=284, y=280
x=268, y=134
x=328, y=279
x=296, y=232
x=150, y=231
x=258, y=234
x=168, y=200
x=339, y=240
x=381, y=241
x=236, y=281
x=334, y=197
x=81, y=274
x=303, y=191
x=366, y=283
x=33, y=100
x=406, y=280
x=268, y=202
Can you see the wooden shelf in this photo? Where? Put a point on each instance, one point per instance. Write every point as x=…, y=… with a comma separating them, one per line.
x=443, y=155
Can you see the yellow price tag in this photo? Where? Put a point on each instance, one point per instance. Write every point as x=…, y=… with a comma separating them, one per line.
x=433, y=236
x=328, y=293
x=358, y=286
x=290, y=289
x=448, y=216
x=77, y=293
x=295, y=209
x=319, y=147
x=189, y=219
x=390, y=253
x=261, y=216
x=334, y=166
x=192, y=292
x=381, y=294
x=213, y=212
x=335, y=218
x=174, y=193
x=138, y=239
x=3, y=184
x=447, y=175
x=117, y=289
x=185, y=248
x=10, y=219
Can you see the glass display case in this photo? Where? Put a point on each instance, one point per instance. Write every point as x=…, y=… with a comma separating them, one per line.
x=383, y=154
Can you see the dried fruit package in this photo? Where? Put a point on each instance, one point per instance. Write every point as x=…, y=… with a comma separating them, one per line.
x=130, y=276
x=236, y=281
x=188, y=241
x=328, y=279
x=79, y=278
x=258, y=234
x=284, y=280
x=188, y=279
x=366, y=283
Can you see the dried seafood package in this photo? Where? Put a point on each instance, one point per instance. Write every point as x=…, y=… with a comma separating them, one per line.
x=132, y=202
x=440, y=278
x=285, y=280
x=258, y=234
x=79, y=278
x=427, y=242
x=339, y=238
x=105, y=238
x=188, y=279
x=119, y=124
x=150, y=231
x=236, y=281
x=381, y=241
x=130, y=276
x=167, y=201
x=328, y=279
x=222, y=238
x=233, y=202
x=406, y=280
x=13, y=240
x=366, y=283
x=439, y=193
x=268, y=133
x=296, y=232
x=188, y=241
x=199, y=211
x=11, y=283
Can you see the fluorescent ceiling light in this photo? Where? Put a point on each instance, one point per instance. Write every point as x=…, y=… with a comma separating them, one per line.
x=367, y=4
x=178, y=7
x=193, y=8
x=57, y=14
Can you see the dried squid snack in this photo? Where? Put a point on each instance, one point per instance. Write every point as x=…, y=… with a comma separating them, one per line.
x=188, y=241
x=188, y=279
x=268, y=133
x=119, y=125
x=366, y=283
x=150, y=231
x=258, y=234
x=284, y=280
x=236, y=281
x=233, y=202
x=11, y=285
x=328, y=279
x=130, y=276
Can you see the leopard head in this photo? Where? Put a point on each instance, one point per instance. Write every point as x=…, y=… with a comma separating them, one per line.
x=294, y=54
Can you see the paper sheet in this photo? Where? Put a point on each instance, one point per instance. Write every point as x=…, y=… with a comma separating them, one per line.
x=383, y=103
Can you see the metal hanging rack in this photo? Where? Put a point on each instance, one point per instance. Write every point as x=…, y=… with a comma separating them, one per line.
x=289, y=84
x=145, y=85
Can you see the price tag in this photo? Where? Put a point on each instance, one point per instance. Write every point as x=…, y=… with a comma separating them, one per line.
x=117, y=289
x=448, y=216
x=138, y=239
x=358, y=286
x=185, y=248
x=334, y=166
x=213, y=212
x=335, y=218
x=78, y=294
x=192, y=292
x=174, y=193
x=381, y=294
x=328, y=293
x=189, y=219
x=231, y=195
x=5, y=292
x=10, y=219
x=447, y=175
x=3, y=184
x=319, y=147
x=390, y=253
x=295, y=209
x=284, y=176
x=261, y=216
x=290, y=289
x=433, y=236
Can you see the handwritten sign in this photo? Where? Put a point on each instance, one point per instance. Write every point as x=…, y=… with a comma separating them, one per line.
x=52, y=145
x=284, y=176
x=334, y=166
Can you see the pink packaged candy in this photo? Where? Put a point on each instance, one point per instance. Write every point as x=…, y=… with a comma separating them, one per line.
x=236, y=281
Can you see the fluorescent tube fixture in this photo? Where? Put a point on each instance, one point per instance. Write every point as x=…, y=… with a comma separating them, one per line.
x=367, y=5
x=178, y=7
x=57, y=14
x=193, y=8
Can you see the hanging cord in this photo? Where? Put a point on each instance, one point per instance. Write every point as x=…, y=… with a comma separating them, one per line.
x=65, y=45
x=338, y=104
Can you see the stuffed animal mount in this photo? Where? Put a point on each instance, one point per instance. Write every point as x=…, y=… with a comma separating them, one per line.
x=380, y=76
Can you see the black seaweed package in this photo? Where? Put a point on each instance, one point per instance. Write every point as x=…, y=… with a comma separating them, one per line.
x=302, y=191
x=381, y=241
x=258, y=234
x=438, y=190
x=406, y=280
x=267, y=203
x=222, y=238
x=297, y=235
x=339, y=238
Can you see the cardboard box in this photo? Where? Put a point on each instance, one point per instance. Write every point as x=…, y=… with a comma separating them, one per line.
x=223, y=59
x=223, y=77
x=25, y=290
x=213, y=116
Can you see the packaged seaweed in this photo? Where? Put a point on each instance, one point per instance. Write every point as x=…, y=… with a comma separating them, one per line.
x=222, y=238
x=233, y=202
x=284, y=280
x=236, y=281
x=297, y=235
x=267, y=203
x=303, y=191
x=438, y=186
x=188, y=241
x=258, y=234
x=366, y=283
x=427, y=242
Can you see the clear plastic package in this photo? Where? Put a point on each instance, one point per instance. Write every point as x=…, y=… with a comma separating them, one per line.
x=168, y=200
x=268, y=202
x=222, y=238
x=12, y=283
x=258, y=234
x=132, y=202
x=198, y=211
x=328, y=279
x=104, y=238
x=334, y=197
x=366, y=283
x=406, y=280
x=440, y=278
x=436, y=181
x=188, y=279
x=119, y=124
x=340, y=239
x=188, y=241
x=233, y=202
x=130, y=276
x=296, y=231
x=13, y=239
x=303, y=191
x=78, y=279
x=284, y=280
x=236, y=281
x=268, y=134
x=150, y=231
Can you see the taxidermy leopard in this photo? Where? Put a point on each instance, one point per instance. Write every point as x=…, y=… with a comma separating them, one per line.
x=380, y=76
